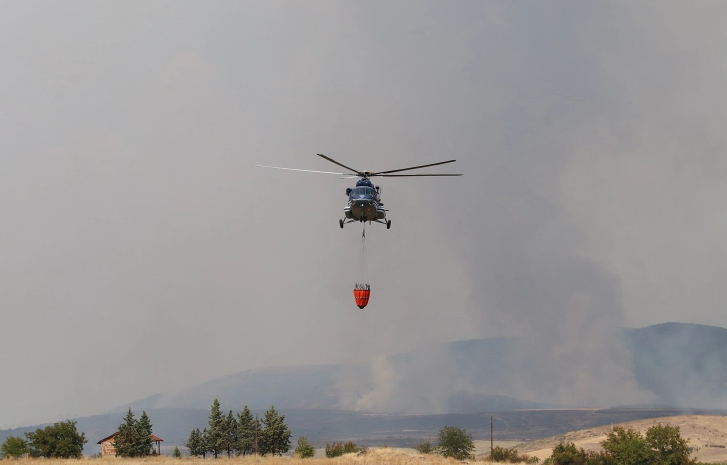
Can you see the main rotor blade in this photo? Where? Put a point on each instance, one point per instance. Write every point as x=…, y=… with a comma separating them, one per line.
x=339, y=164
x=411, y=175
x=412, y=168
x=306, y=171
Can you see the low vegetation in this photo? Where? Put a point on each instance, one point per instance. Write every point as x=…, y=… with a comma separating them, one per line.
x=425, y=447
x=510, y=455
x=662, y=445
x=304, y=450
x=337, y=449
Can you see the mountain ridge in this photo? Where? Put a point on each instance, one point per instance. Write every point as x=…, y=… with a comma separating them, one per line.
x=663, y=355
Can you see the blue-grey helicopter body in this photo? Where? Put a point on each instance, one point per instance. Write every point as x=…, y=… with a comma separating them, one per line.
x=364, y=200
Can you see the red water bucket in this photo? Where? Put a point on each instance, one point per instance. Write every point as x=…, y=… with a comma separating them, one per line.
x=362, y=297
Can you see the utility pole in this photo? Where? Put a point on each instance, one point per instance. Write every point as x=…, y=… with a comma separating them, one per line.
x=256, y=435
x=492, y=454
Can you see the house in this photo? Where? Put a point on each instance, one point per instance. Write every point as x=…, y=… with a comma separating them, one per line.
x=108, y=448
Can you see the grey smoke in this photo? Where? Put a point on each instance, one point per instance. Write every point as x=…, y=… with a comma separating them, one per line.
x=141, y=253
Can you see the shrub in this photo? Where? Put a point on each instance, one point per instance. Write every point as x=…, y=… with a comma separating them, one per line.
x=568, y=454
x=304, y=449
x=425, y=447
x=177, y=454
x=350, y=448
x=334, y=450
x=501, y=454
x=337, y=449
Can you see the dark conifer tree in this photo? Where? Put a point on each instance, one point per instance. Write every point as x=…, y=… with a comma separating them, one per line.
x=245, y=432
x=125, y=438
x=230, y=434
x=194, y=443
x=275, y=437
x=205, y=439
x=216, y=434
x=143, y=445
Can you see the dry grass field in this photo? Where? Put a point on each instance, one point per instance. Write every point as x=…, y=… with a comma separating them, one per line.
x=380, y=456
x=707, y=434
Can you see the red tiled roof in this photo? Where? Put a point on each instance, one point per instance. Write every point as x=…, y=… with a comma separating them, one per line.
x=153, y=438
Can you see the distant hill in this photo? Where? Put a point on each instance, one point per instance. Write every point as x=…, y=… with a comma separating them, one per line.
x=684, y=365
x=309, y=386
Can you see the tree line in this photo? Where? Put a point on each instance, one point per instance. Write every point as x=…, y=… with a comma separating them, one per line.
x=240, y=434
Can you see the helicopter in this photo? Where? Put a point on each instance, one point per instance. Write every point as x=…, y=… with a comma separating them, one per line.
x=364, y=200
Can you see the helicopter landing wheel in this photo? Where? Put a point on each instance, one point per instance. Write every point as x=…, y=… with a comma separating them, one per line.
x=388, y=224
x=340, y=222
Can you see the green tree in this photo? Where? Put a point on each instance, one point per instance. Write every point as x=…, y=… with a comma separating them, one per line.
x=245, y=432
x=667, y=446
x=125, y=439
x=455, y=442
x=14, y=446
x=59, y=440
x=257, y=430
x=142, y=443
x=229, y=437
x=176, y=454
x=627, y=447
x=275, y=437
x=304, y=449
x=194, y=443
x=205, y=438
x=425, y=447
x=216, y=433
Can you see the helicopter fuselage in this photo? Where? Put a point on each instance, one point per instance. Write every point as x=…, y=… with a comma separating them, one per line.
x=364, y=203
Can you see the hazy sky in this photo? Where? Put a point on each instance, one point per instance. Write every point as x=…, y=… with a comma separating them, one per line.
x=140, y=252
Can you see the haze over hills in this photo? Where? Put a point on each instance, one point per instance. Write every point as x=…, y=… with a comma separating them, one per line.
x=682, y=365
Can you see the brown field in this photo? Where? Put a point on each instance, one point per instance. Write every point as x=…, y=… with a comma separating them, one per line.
x=707, y=434
x=380, y=456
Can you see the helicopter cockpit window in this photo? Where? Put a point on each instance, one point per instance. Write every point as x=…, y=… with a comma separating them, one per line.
x=359, y=191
